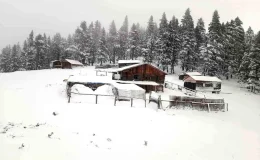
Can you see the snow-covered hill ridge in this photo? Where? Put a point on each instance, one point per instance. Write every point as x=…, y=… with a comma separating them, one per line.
x=30, y=129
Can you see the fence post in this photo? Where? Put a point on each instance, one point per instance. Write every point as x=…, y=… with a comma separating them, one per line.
x=227, y=106
x=115, y=101
x=145, y=103
x=208, y=108
x=69, y=98
x=131, y=102
x=96, y=98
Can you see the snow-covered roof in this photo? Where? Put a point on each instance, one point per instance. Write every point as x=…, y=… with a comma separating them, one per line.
x=202, y=78
x=150, y=83
x=129, y=61
x=90, y=79
x=193, y=73
x=128, y=87
x=74, y=62
x=135, y=65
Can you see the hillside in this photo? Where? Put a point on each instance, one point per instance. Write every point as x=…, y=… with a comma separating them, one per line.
x=84, y=130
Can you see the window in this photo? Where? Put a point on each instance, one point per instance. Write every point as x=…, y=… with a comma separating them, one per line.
x=208, y=85
x=136, y=77
x=199, y=85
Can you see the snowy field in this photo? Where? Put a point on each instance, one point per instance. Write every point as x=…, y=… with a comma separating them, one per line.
x=83, y=130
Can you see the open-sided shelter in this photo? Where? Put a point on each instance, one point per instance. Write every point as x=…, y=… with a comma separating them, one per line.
x=203, y=83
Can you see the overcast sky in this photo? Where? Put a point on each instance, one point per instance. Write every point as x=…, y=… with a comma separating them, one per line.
x=19, y=17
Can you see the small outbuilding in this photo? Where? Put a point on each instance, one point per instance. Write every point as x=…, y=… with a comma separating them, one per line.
x=203, y=83
x=66, y=63
x=185, y=75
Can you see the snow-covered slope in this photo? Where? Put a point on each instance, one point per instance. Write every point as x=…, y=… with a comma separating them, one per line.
x=36, y=122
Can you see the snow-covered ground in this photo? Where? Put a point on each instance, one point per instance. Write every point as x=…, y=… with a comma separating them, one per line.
x=36, y=122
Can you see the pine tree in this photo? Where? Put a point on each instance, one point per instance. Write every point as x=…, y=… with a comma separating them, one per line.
x=39, y=46
x=14, y=59
x=254, y=66
x=133, y=42
x=200, y=48
x=83, y=42
x=5, y=59
x=123, y=38
x=215, y=47
x=188, y=55
x=151, y=37
x=23, y=55
x=103, y=50
x=113, y=42
x=244, y=66
x=30, y=57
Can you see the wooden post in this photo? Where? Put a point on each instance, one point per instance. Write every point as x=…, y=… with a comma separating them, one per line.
x=96, y=98
x=208, y=108
x=227, y=106
x=69, y=99
x=115, y=101
x=131, y=102
x=145, y=103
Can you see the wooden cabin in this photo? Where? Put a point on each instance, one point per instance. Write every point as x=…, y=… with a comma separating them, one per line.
x=123, y=63
x=185, y=75
x=144, y=75
x=203, y=83
x=66, y=63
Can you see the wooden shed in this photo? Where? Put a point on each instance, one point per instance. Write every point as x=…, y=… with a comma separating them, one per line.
x=69, y=63
x=203, y=83
x=144, y=75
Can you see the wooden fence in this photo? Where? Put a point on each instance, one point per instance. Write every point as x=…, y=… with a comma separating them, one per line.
x=174, y=101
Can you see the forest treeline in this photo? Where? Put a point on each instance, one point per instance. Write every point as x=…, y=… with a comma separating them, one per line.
x=225, y=49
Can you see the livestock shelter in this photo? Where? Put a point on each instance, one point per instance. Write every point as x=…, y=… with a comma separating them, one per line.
x=144, y=75
x=123, y=63
x=55, y=64
x=93, y=82
x=66, y=63
x=203, y=83
x=69, y=63
x=185, y=75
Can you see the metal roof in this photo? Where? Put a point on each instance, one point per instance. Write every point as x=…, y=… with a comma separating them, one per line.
x=135, y=65
x=75, y=62
x=129, y=61
x=202, y=78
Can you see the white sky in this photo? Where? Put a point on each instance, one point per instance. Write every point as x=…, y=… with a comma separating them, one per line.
x=19, y=17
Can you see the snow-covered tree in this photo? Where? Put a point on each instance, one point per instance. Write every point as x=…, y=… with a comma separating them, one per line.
x=174, y=42
x=151, y=37
x=215, y=47
x=188, y=55
x=113, y=45
x=244, y=69
x=200, y=49
x=5, y=59
x=30, y=55
x=254, y=65
x=134, y=42
x=103, y=51
x=123, y=38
